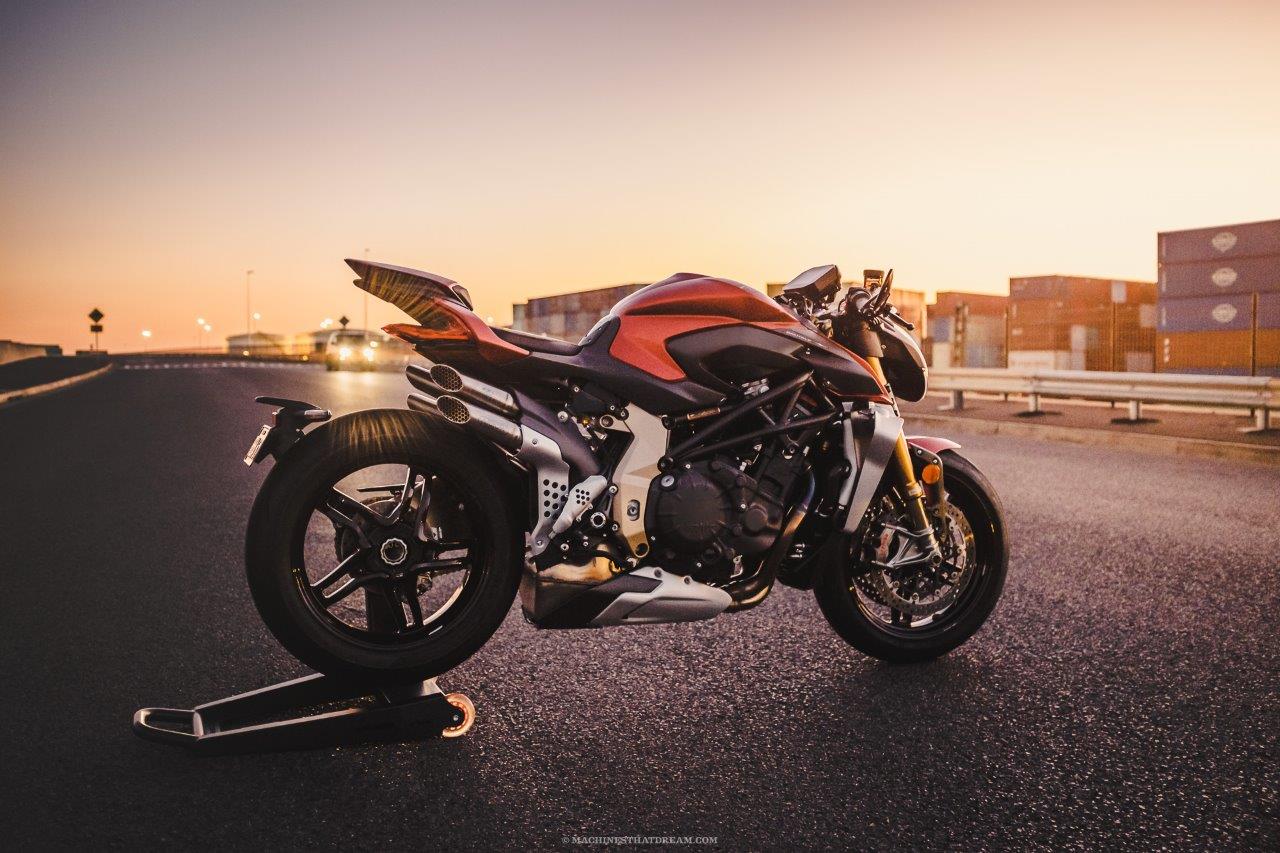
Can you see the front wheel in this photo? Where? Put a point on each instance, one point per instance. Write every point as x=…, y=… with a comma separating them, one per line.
x=916, y=616
x=381, y=546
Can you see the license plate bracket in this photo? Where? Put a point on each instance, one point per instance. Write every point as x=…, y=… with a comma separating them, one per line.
x=255, y=449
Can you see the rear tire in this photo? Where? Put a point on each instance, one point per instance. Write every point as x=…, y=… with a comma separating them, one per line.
x=287, y=501
x=972, y=494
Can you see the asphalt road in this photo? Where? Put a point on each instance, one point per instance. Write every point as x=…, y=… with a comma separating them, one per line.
x=1124, y=694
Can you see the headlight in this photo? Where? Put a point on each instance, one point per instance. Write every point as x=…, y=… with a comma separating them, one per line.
x=368, y=354
x=344, y=353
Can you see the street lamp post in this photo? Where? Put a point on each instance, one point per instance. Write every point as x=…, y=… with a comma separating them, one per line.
x=248, y=311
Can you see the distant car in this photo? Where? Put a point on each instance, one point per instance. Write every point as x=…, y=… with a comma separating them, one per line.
x=351, y=351
x=358, y=350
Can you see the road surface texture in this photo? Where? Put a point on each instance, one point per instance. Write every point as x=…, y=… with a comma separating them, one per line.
x=1125, y=693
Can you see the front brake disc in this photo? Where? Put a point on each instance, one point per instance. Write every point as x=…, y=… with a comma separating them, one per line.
x=916, y=594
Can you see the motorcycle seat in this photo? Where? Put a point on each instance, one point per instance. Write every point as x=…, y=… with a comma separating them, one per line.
x=537, y=343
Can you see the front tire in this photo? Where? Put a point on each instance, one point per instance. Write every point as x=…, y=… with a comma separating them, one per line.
x=846, y=607
x=390, y=638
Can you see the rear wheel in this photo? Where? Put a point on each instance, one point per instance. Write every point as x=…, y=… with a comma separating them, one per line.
x=380, y=546
x=910, y=616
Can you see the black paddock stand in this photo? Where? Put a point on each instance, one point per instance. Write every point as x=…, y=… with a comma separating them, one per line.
x=368, y=713
x=226, y=726
x=288, y=715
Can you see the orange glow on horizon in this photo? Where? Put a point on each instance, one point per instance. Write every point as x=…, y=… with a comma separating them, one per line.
x=152, y=154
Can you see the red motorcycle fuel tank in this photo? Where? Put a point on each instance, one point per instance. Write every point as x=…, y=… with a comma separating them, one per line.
x=685, y=302
x=697, y=327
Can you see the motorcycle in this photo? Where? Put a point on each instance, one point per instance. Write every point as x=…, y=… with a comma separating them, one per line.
x=702, y=444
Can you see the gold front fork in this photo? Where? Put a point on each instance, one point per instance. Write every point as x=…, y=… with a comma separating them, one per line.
x=913, y=492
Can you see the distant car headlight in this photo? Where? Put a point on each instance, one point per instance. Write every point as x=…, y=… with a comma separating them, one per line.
x=368, y=353
x=344, y=353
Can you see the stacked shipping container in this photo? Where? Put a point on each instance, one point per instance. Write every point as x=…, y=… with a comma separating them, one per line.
x=967, y=330
x=1220, y=300
x=1059, y=322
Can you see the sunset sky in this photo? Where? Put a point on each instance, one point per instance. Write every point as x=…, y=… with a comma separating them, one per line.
x=150, y=153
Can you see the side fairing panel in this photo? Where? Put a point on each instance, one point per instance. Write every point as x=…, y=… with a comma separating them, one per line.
x=727, y=356
x=644, y=341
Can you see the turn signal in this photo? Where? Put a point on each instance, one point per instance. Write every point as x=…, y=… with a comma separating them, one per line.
x=931, y=474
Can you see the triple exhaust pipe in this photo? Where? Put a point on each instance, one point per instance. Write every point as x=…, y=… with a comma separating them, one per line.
x=466, y=402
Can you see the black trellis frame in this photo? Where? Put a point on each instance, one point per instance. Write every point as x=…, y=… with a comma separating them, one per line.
x=695, y=446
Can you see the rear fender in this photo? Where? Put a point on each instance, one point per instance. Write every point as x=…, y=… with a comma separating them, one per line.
x=288, y=423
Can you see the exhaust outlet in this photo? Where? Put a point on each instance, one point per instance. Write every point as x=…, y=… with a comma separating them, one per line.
x=482, y=422
x=443, y=379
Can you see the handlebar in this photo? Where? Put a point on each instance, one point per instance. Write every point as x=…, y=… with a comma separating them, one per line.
x=869, y=302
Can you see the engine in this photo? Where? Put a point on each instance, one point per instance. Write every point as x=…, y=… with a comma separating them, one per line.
x=713, y=519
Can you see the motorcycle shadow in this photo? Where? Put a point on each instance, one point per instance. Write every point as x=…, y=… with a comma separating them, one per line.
x=898, y=700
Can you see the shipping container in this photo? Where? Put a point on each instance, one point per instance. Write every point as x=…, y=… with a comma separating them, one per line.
x=984, y=355
x=1045, y=360
x=982, y=329
x=1268, y=310
x=1115, y=335
x=985, y=304
x=1137, y=316
x=1061, y=288
x=1269, y=352
x=1204, y=278
x=946, y=355
x=940, y=327
x=1041, y=336
x=1080, y=290
x=1133, y=338
x=1224, y=241
x=1228, y=352
x=1210, y=371
x=1084, y=337
x=1126, y=292
x=1219, y=313
x=1142, y=361
x=1038, y=311
x=977, y=329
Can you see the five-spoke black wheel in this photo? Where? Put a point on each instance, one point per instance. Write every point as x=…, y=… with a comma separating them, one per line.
x=383, y=545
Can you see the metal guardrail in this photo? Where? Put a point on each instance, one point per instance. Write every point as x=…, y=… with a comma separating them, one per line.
x=1259, y=394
